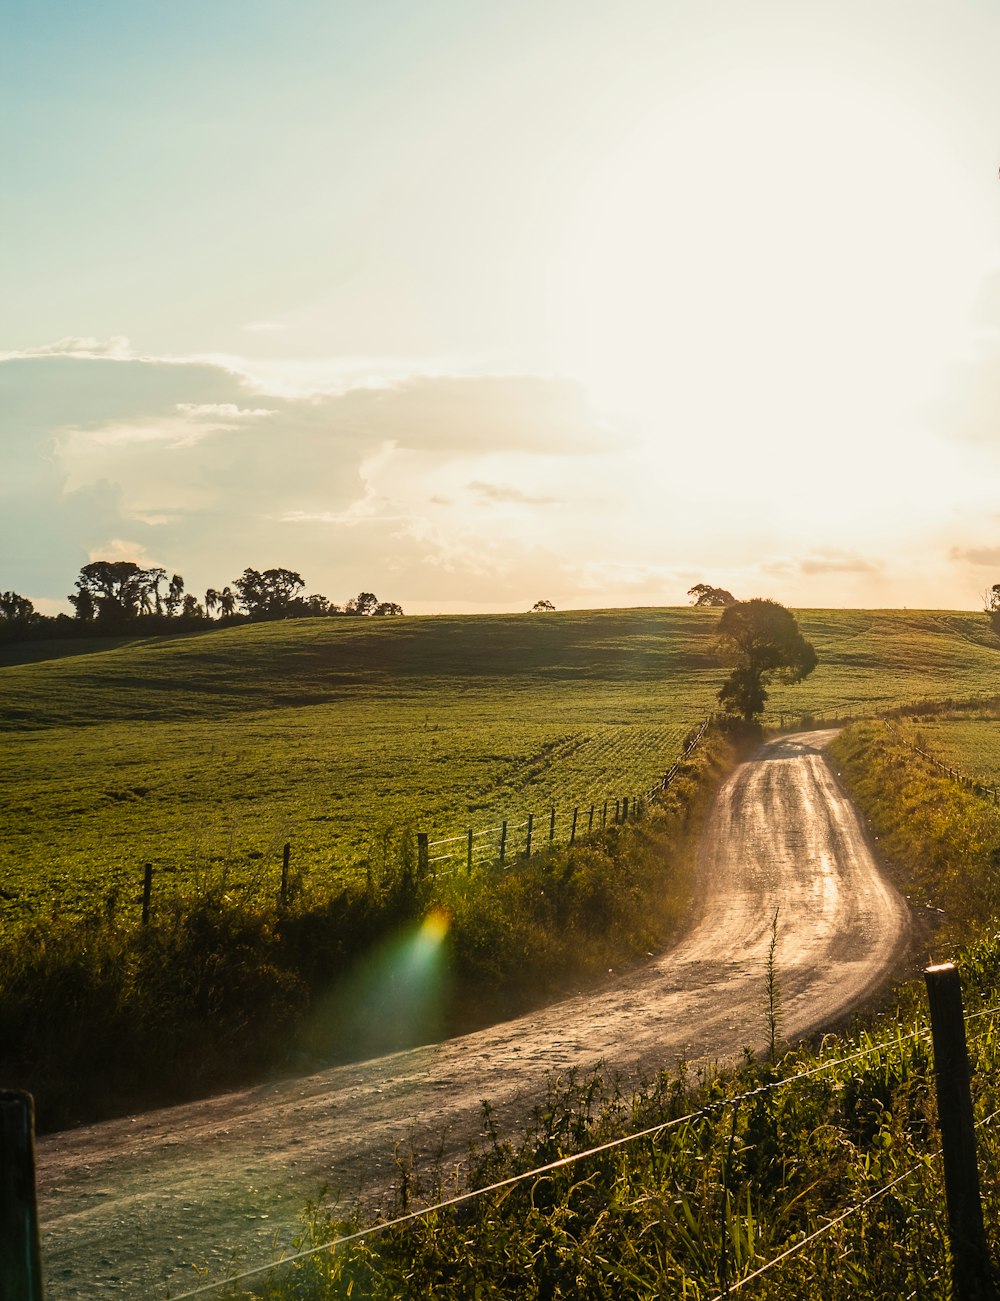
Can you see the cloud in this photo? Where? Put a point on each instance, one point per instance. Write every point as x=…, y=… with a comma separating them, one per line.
x=191, y=461
x=116, y=348
x=985, y=556
x=501, y=493
x=223, y=410
x=264, y=327
x=822, y=560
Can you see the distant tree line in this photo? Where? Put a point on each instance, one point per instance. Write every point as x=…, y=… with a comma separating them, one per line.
x=119, y=596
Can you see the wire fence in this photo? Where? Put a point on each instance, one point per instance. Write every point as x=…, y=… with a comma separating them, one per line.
x=882, y=1049
x=971, y=784
x=510, y=841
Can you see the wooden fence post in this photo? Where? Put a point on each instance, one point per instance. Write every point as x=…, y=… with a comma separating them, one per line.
x=604, y=815
x=590, y=820
x=20, y=1255
x=286, y=854
x=147, y=891
x=527, y=842
x=552, y=823
x=972, y=1272
x=468, y=857
x=572, y=830
x=625, y=809
x=423, y=853
x=503, y=841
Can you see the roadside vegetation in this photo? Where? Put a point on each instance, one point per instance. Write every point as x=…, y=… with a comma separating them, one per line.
x=100, y=1013
x=748, y=1163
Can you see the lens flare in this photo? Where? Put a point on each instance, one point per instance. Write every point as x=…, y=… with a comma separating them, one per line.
x=393, y=998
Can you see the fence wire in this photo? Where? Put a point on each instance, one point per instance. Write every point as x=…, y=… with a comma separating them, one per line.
x=652, y=1131
x=823, y=1230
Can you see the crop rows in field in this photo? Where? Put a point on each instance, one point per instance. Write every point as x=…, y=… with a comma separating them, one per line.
x=201, y=801
x=569, y=782
x=204, y=754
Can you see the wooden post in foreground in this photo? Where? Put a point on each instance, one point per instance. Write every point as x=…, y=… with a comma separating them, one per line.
x=423, y=858
x=147, y=891
x=972, y=1272
x=20, y=1257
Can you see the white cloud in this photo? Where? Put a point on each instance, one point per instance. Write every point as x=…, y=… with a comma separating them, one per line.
x=116, y=348
x=169, y=456
x=223, y=410
x=116, y=549
x=264, y=327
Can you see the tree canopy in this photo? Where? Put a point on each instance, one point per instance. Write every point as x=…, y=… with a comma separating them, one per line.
x=762, y=640
x=703, y=594
x=16, y=611
x=121, y=596
x=268, y=594
x=541, y=605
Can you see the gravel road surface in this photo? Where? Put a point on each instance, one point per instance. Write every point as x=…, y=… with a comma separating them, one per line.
x=133, y=1208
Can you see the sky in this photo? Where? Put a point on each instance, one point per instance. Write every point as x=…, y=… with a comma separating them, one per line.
x=473, y=303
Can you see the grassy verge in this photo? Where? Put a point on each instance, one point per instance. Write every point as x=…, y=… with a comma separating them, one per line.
x=99, y=1015
x=940, y=844
x=838, y=1141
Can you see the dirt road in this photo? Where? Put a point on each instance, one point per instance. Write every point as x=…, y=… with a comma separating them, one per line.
x=130, y=1207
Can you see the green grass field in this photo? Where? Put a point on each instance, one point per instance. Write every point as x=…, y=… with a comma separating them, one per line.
x=966, y=740
x=204, y=753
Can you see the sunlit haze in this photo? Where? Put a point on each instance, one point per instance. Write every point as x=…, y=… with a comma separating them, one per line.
x=472, y=305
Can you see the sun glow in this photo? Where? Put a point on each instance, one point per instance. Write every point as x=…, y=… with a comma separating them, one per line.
x=775, y=255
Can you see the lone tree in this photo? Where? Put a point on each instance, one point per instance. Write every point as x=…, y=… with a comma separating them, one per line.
x=991, y=606
x=541, y=605
x=764, y=640
x=702, y=594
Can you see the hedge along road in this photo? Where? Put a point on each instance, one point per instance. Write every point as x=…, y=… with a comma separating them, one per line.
x=131, y=1208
